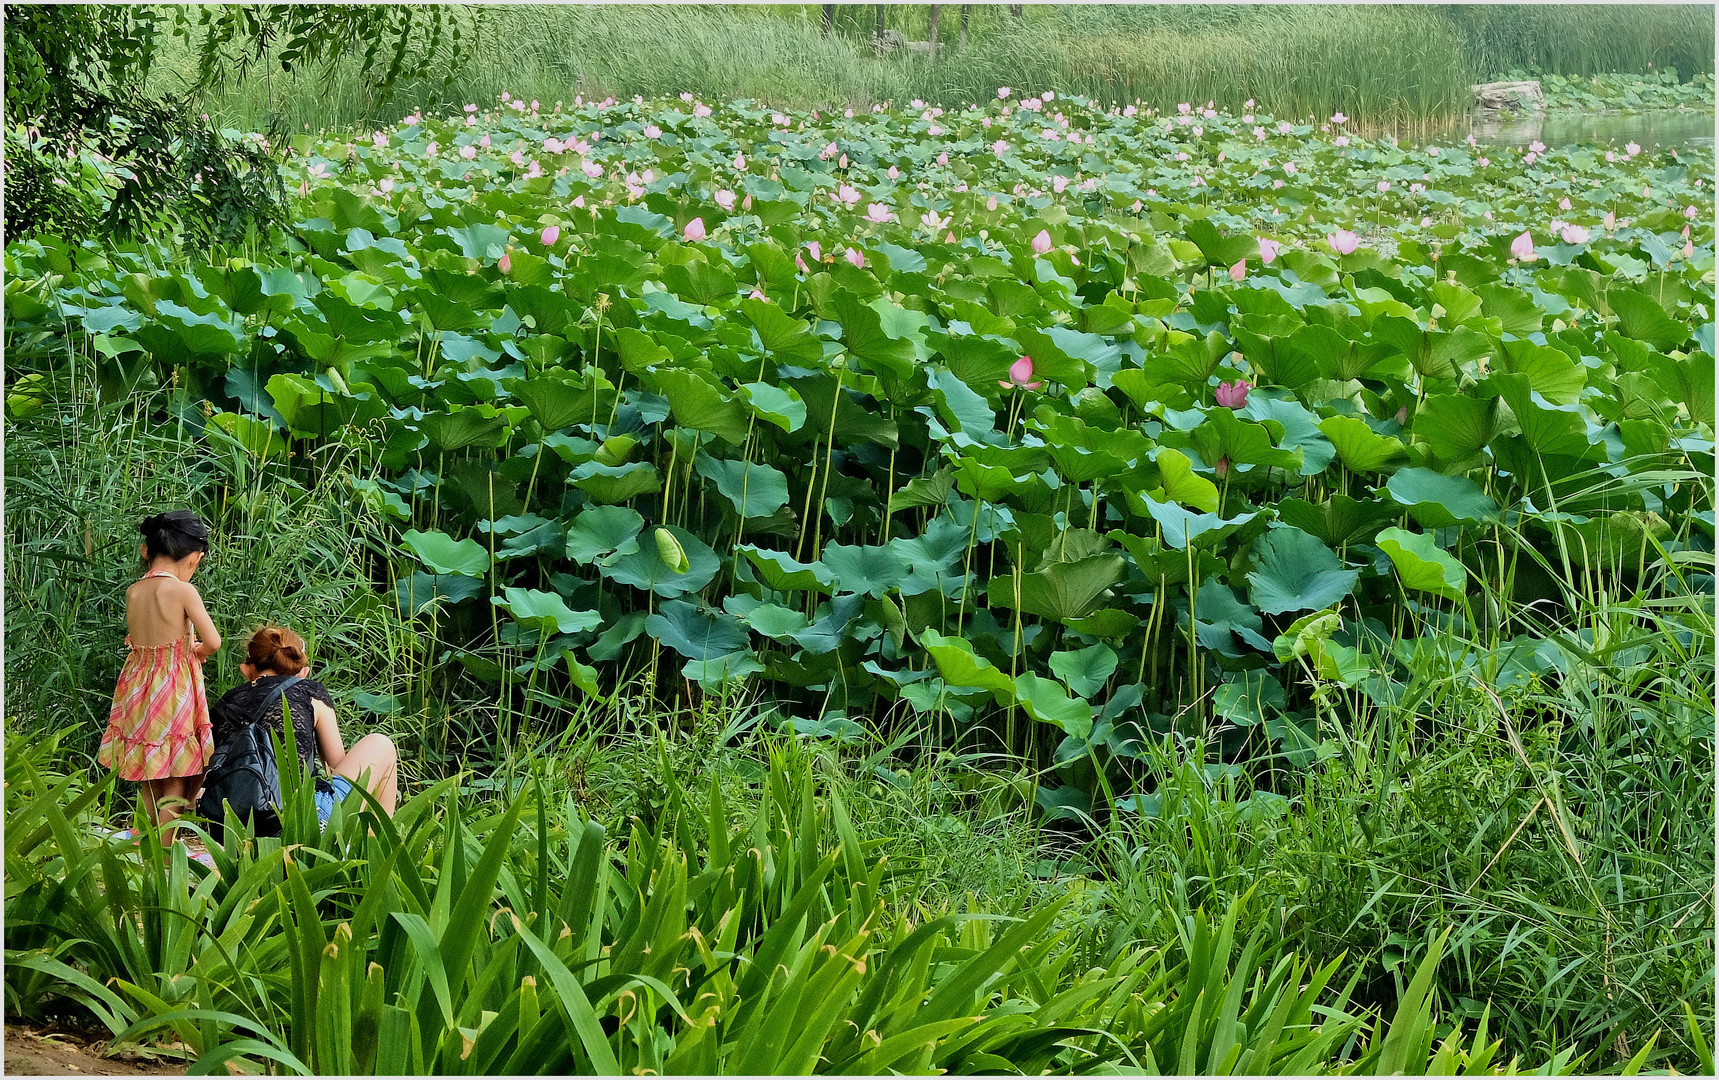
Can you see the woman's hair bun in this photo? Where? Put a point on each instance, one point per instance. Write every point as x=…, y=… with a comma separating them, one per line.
x=276, y=649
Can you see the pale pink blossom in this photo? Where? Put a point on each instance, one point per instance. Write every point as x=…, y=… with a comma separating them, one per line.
x=1574, y=234
x=1267, y=249
x=1339, y=118
x=740, y=162
x=694, y=230
x=1232, y=395
x=1238, y=272
x=550, y=234
x=816, y=249
x=1632, y=149
x=878, y=212
x=854, y=256
x=1522, y=248
x=1564, y=203
x=999, y=147
x=943, y=159
x=506, y=263
x=1042, y=242
x=1021, y=375
x=724, y=199
x=1343, y=241
x=1002, y=92
x=468, y=152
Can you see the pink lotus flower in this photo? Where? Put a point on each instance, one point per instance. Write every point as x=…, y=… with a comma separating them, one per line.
x=1343, y=242
x=878, y=212
x=1426, y=221
x=1632, y=149
x=893, y=173
x=829, y=151
x=1268, y=250
x=848, y=194
x=379, y=140
x=1690, y=212
x=854, y=256
x=843, y=162
x=1042, y=242
x=1289, y=168
x=1432, y=151
x=1574, y=234
x=1002, y=92
x=1238, y=272
x=484, y=142
x=1341, y=140
x=1384, y=186
x=506, y=263
x=800, y=264
x=1021, y=375
x=1059, y=184
x=943, y=158
x=1611, y=221
x=724, y=199
x=931, y=221
x=1232, y=395
x=694, y=231
x=740, y=162
x=1184, y=108
x=1689, y=249
x=1339, y=118
x=1522, y=248
x=991, y=203
x=701, y=109
x=579, y=201
x=999, y=147
x=550, y=235
x=816, y=249
x=949, y=238
x=1564, y=204
x=386, y=185
x=471, y=108
x=591, y=168
x=468, y=152
x=757, y=295
x=430, y=150
x=653, y=132
x=1536, y=147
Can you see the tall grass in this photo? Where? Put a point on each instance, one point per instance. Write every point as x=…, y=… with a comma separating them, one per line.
x=1382, y=64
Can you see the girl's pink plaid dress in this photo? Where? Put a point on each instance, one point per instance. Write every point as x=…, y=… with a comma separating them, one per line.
x=159, y=726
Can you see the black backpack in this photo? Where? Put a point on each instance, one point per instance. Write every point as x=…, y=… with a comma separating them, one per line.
x=243, y=773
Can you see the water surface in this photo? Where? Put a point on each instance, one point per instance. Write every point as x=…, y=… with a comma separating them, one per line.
x=1674, y=129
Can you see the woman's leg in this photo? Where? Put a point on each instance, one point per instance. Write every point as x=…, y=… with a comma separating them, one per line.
x=375, y=755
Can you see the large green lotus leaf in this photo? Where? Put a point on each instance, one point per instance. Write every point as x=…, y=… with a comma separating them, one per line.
x=1182, y=527
x=1438, y=501
x=1689, y=382
x=772, y=620
x=1061, y=591
x=1249, y=698
x=1300, y=430
x=1277, y=358
x=217, y=333
x=619, y=634
x=1421, y=566
x=1244, y=444
x=757, y=491
x=616, y=483
x=1642, y=318
x=547, y=538
x=699, y=281
x=1222, y=622
x=415, y=593
x=885, y=338
x=1546, y=429
x=695, y=631
x=644, y=568
x=639, y=351
x=445, y=555
x=782, y=335
x=780, y=572
x=1182, y=485
x=854, y=422
x=557, y=399
x=258, y=438
x=445, y=314
x=545, y=611
x=1459, y=303
x=1339, y=520
x=1048, y=703
x=481, y=241
x=1359, y=447
x=1078, y=465
x=781, y=406
x=460, y=286
x=1435, y=354
x=987, y=483
x=1455, y=427
x=1147, y=389
x=959, y=405
x=1085, y=671
x=698, y=402
x=360, y=311
x=924, y=491
x=600, y=530
x=1516, y=310
x=1552, y=373
x=962, y=667
x=720, y=674
x=872, y=571
x=1220, y=250
x=980, y=362
x=309, y=409
x=465, y=425
x=934, y=558
x=1295, y=571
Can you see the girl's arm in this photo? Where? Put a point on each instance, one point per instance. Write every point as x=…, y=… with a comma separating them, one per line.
x=209, y=639
x=328, y=735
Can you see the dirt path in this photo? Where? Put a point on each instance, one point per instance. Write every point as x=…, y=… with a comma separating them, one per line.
x=32, y=1051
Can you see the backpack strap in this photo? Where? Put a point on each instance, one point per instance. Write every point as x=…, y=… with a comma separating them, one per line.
x=274, y=695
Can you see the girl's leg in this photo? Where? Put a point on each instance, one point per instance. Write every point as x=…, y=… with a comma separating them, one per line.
x=171, y=798
x=375, y=755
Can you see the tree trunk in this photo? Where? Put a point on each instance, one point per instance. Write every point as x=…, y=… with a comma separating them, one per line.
x=829, y=18
x=966, y=13
x=878, y=33
x=1015, y=10
x=936, y=11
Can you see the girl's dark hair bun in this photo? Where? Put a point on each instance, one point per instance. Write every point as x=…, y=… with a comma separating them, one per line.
x=175, y=534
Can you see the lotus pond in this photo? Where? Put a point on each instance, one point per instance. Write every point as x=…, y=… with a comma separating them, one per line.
x=1034, y=425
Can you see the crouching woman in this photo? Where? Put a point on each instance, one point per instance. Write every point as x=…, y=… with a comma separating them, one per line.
x=275, y=653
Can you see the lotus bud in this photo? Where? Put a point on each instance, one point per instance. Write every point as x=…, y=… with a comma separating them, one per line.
x=671, y=553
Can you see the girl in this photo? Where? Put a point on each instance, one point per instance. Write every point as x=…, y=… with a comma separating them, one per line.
x=158, y=731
